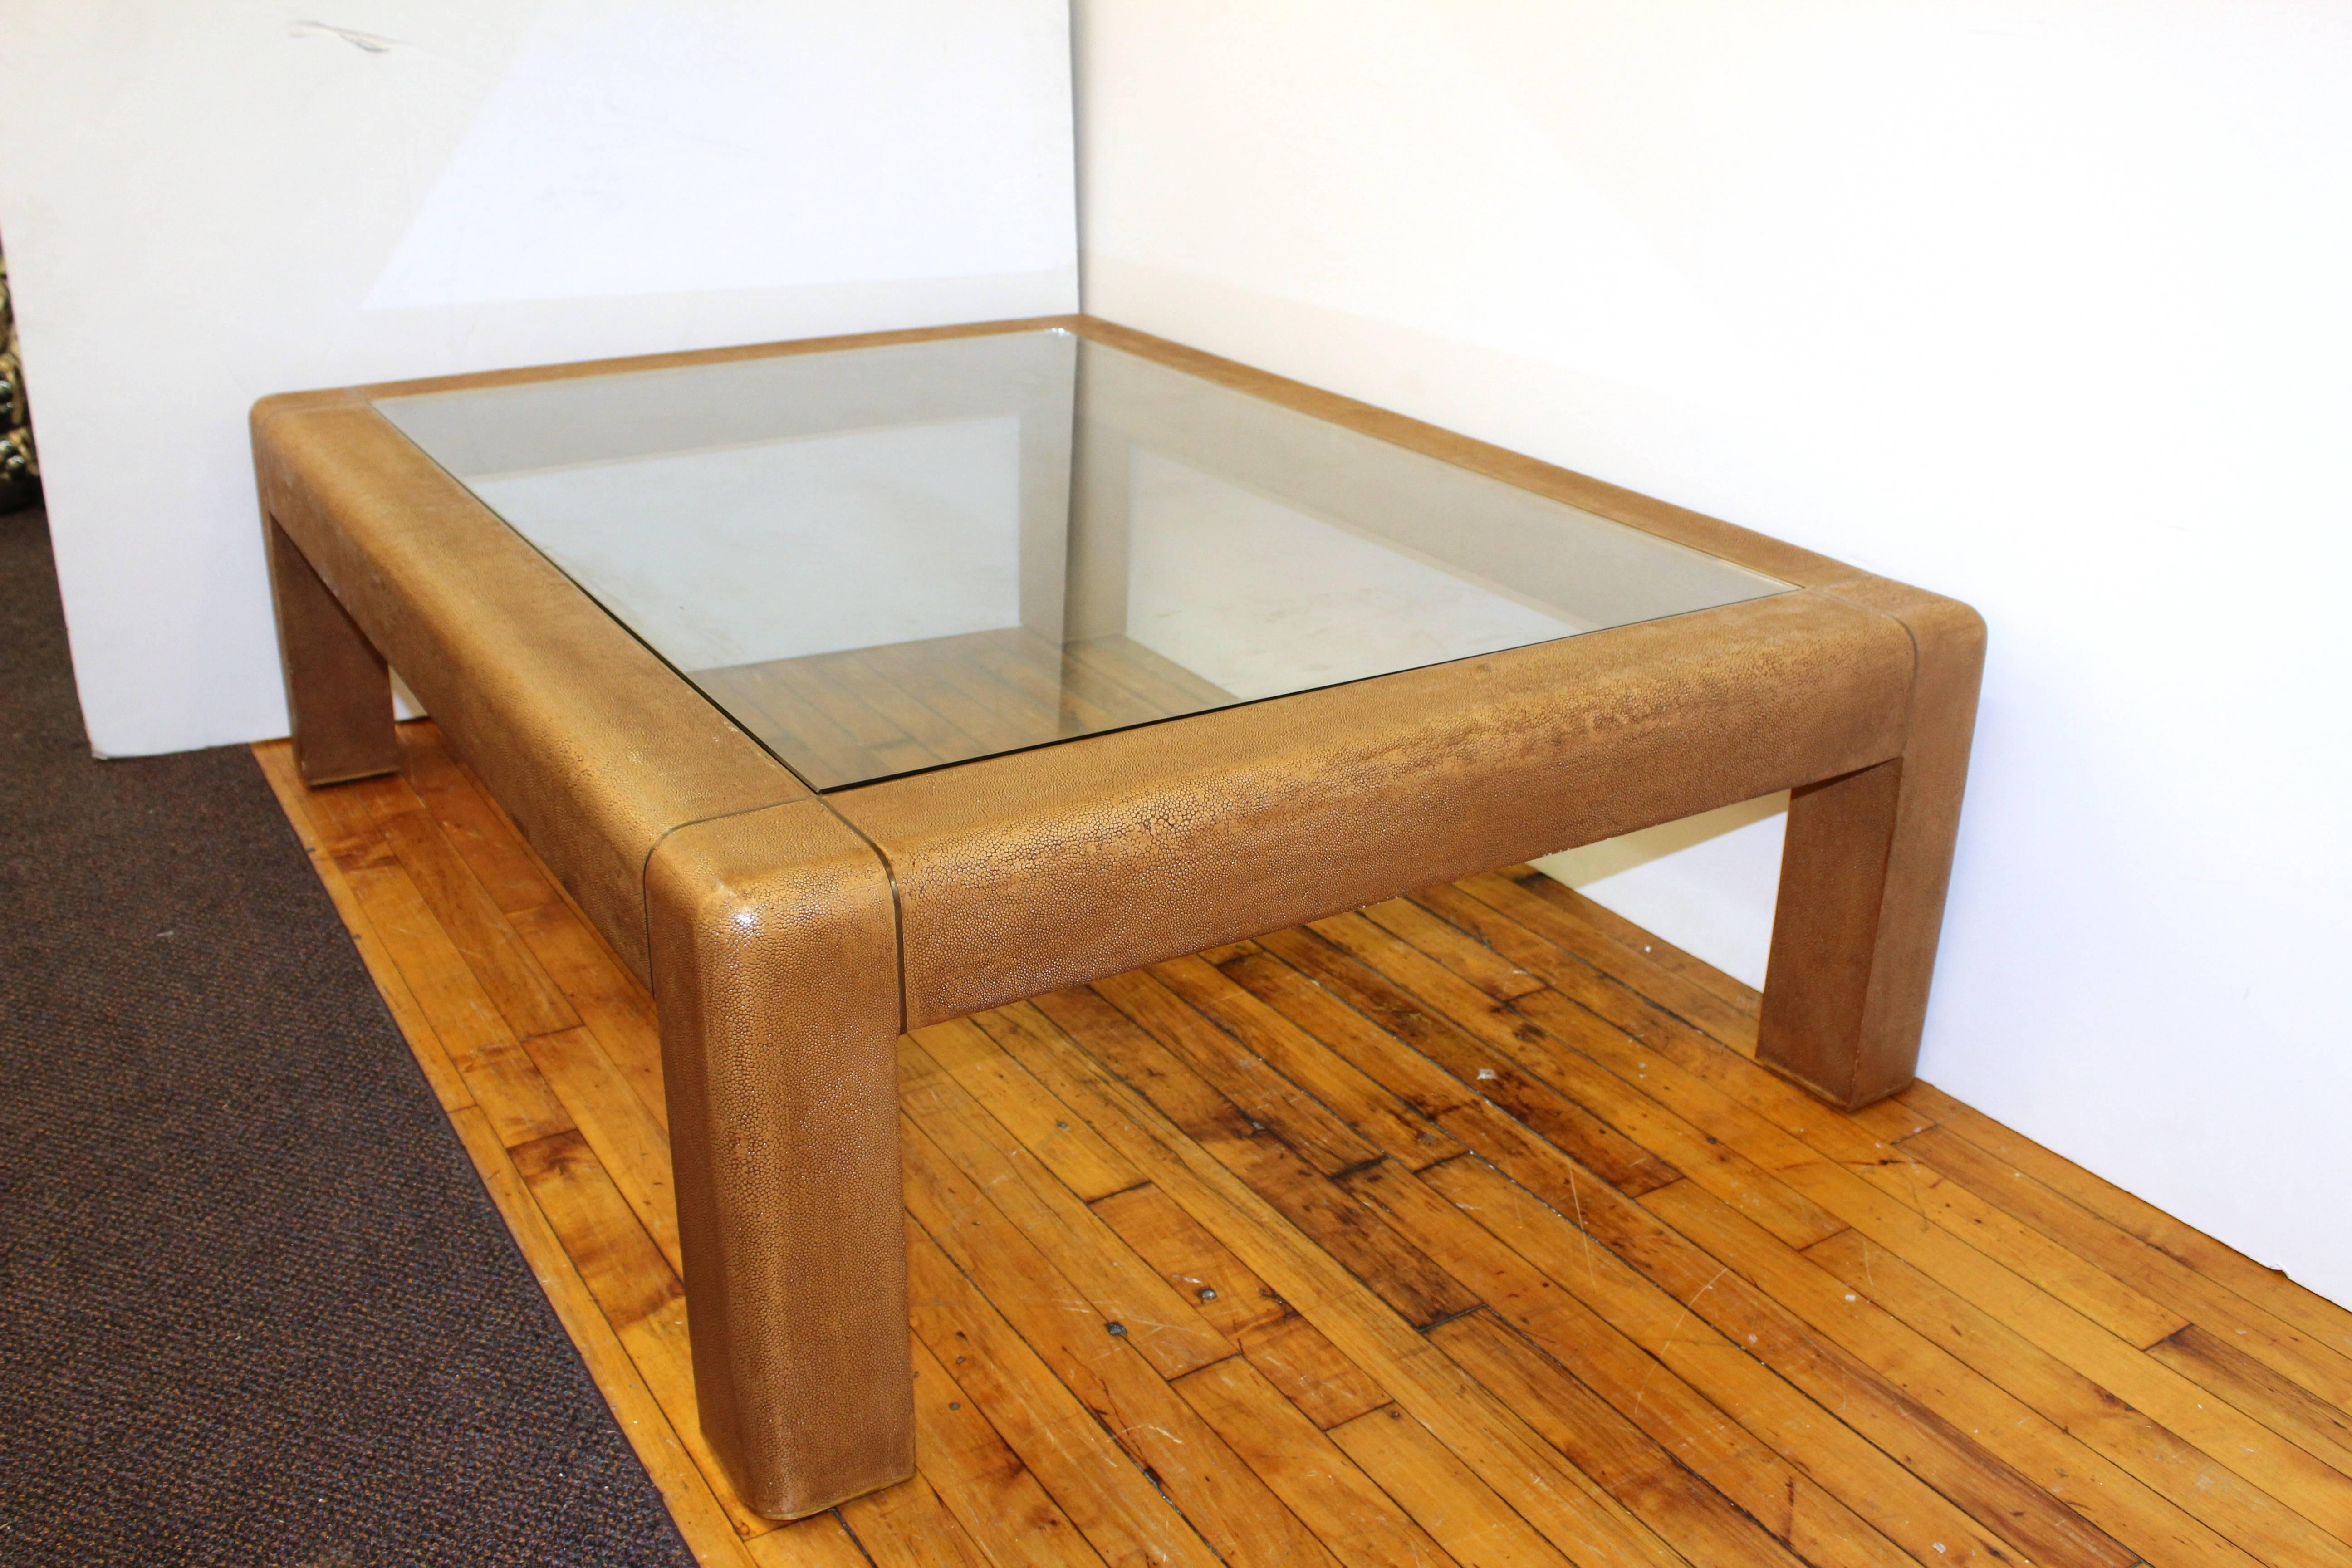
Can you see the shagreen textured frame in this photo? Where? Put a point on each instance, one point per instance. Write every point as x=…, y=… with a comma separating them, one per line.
x=789, y=937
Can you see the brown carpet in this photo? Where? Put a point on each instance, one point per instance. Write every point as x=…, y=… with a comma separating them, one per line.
x=254, y=1306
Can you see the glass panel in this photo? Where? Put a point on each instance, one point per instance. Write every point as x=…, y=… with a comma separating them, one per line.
x=888, y=559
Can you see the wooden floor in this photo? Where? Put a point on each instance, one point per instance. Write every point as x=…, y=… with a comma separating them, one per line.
x=1462, y=1229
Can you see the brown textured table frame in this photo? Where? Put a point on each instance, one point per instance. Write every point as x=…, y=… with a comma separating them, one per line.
x=789, y=937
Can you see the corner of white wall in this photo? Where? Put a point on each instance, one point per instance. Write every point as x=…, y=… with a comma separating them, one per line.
x=2040, y=305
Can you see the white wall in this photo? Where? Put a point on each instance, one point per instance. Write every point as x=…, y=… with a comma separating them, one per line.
x=204, y=204
x=2046, y=304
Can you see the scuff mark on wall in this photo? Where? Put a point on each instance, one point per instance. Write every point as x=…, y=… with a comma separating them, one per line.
x=372, y=43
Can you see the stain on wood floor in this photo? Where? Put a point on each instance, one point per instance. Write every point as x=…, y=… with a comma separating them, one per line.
x=1459, y=1230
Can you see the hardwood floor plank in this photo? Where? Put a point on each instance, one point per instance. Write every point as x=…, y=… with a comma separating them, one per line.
x=1353, y=1235
x=1981, y=1339
x=1361, y=1104
x=1165, y=1327
x=2155, y=1423
x=483, y=836
x=1984, y=1279
x=1931, y=1103
x=1711, y=1002
x=1419, y=1082
x=993, y=719
x=935, y=734
x=522, y=991
x=2115, y=1306
x=1431, y=985
x=982, y=1482
x=1531, y=1263
x=1195, y=1263
x=2268, y=1289
x=1071, y=1150
x=1624, y=934
x=1457, y=950
x=1681, y=1082
x=2115, y=1365
x=1096, y=1359
x=1696, y=1080
x=1119, y=700
x=1477, y=1068
x=1833, y=1187
x=821, y=1542
x=1085, y=1470
x=345, y=814
x=906, y=1526
x=1009, y=670
x=2281, y=1404
x=819, y=751
x=1136, y=1056
x=2174, y=1285
x=1293, y=1355
x=604, y=992
x=1669, y=1411
x=1678, y=1423
x=1623, y=1102
x=1614, y=1081
x=1781, y=1102
x=1223, y=1063
x=623, y=1268
x=1082, y=702
x=1688, y=1513
x=497, y=1073
x=2139, y=1484
x=1444, y=1496
x=1162, y=682
x=1567, y=1507
x=1925, y=1444
x=627, y=1143
x=1361, y=1525
x=889, y=746
x=1529, y=900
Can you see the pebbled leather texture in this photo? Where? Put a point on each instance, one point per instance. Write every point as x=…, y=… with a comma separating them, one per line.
x=775, y=958
x=1867, y=863
x=590, y=741
x=337, y=689
x=1021, y=874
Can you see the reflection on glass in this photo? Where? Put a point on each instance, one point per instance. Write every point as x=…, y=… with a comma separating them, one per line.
x=883, y=560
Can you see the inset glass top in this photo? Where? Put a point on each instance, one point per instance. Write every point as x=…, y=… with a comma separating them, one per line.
x=883, y=560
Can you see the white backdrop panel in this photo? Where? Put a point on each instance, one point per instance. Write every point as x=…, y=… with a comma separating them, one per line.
x=205, y=203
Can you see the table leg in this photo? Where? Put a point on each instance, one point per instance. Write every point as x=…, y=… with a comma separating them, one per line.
x=775, y=966
x=338, y=689
x=1863, y=878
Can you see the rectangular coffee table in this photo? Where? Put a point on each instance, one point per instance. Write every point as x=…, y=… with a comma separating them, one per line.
x=854, y=685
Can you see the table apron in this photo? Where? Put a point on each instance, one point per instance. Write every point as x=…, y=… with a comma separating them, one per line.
x=1021, y=874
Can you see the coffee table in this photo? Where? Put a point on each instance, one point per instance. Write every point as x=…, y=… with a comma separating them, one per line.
x=856, y=684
